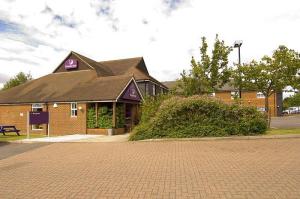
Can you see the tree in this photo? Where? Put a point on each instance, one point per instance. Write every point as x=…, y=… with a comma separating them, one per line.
x=292, y=101
x=20, y=78
x=271, y=74
x=210, y=73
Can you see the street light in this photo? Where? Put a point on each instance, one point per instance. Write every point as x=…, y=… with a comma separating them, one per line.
x=238, y=44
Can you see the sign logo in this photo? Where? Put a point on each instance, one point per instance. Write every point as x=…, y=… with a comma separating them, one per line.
x=71, y=64
x=131, y=93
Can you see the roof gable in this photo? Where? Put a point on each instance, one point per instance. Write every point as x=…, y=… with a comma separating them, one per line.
x=82, y=64
x=131, y=92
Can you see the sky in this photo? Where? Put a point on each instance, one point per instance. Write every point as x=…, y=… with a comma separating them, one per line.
x=36, y=35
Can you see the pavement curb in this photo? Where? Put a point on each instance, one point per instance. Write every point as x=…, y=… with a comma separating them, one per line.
x=225, y=138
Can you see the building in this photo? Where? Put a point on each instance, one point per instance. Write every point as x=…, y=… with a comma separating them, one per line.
x=228, y=94
x=82, y=96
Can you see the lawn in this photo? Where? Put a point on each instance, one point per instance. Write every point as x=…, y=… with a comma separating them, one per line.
x=13, y=137
x=283, y=131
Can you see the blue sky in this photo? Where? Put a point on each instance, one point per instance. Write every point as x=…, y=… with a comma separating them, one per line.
x=166, y=33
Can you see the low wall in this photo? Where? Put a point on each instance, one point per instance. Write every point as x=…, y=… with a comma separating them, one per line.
x=117, y=131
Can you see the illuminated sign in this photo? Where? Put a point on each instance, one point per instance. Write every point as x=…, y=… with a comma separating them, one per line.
x=71, y=64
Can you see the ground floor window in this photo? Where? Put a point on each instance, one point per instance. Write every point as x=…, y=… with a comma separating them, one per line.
x=213, y=94
x=74, y=109
x=260, y=95
x=261, y=109
x=37, y=108
x=234, y=94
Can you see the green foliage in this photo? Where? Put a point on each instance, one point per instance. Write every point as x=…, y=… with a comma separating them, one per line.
x=292, y=101
x=210, y=73
x=150, y=106
x=270, y=74
x=197, y=117
x=91, y=117
x=104, y=117
x=120, y=115
x=19, y=79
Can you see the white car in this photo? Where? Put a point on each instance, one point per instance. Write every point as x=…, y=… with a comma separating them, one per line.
x=292, y=110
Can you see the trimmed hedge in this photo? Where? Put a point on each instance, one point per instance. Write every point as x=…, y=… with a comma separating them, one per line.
x=179, y=117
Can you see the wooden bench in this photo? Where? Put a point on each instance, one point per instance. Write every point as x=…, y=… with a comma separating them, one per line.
x=9, y=129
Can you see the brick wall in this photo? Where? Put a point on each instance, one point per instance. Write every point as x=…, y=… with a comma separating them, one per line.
x=12, y=115
x=249, y=98
x=61, y=121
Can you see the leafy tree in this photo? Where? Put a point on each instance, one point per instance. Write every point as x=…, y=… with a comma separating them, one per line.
x=210, y=73
x=19, y=79
x=271, y=74
x=292, y=101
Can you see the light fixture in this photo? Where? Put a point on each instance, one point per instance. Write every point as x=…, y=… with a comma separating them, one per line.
x=55, y=105
x=80, y=108
x=238, y=43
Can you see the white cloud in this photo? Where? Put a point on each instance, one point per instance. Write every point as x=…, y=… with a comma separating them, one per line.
x=166, y=32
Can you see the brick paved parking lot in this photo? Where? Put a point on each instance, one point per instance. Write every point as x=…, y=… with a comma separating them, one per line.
x=267, y=168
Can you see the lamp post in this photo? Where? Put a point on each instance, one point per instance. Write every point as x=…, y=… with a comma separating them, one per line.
x=238, y=44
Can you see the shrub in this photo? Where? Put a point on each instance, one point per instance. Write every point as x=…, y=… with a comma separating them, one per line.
x=150, y=106
x=91, y=118
x=120, y=115
x=104, y=117
x=196, y=117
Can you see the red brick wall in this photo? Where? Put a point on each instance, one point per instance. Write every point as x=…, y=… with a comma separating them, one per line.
x=10, y=115
x=61, y=121
x=249, y=98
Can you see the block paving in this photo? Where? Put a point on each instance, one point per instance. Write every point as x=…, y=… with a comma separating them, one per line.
x=267, y=168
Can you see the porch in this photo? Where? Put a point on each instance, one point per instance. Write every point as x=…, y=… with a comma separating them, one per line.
x=111, y=118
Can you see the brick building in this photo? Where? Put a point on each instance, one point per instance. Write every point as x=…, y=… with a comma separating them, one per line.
x=77, y=88
x=228, y=94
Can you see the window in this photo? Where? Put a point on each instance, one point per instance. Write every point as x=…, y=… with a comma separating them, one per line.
x=212, y=94
x=260, y=95
x=74, y=109
x=262, y=109
x=234, y=94
x=37, y=108
x=153, y=89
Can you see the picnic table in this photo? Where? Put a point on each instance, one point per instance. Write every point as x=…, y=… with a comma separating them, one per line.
x=9, y=129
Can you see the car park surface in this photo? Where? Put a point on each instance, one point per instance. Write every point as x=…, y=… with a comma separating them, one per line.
x=264, y=168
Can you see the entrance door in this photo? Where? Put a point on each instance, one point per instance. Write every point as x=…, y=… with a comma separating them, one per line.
x=128, y=117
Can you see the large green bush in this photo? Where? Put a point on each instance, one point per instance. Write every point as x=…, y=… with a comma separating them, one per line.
x=197, y=117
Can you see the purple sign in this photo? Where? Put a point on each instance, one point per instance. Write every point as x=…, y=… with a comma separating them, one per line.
x=131, y=93
x=71, y=64
x=38, y=117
